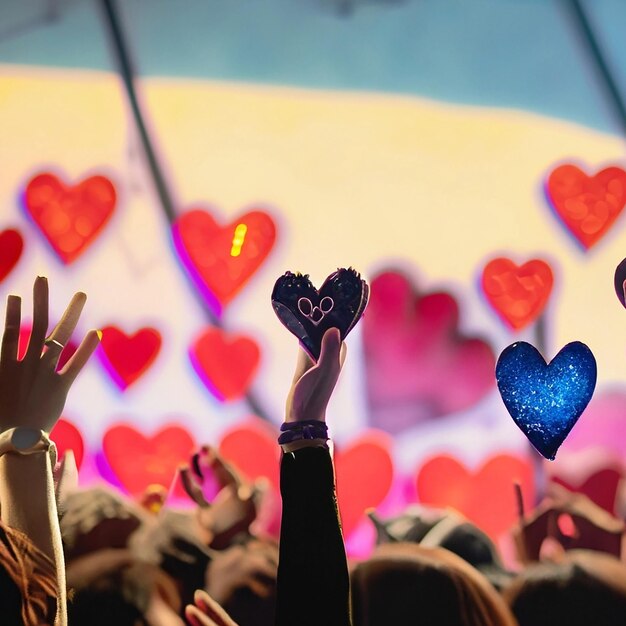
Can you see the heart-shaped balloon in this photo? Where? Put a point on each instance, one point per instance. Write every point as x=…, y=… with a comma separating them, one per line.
x=222, y=259
x=545, y=401
x=484, y=495
x=518, y=294
x=225, y=363
x=11, y=246
x=139, y=460
x=308, y=313
x=127, y=357
x=587, y=205
x=70, y=216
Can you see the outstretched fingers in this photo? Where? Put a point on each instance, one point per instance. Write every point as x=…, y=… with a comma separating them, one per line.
x=207, y=607
x=78, y=360
x=40, y=319
x=11, y=336
x=62, y=332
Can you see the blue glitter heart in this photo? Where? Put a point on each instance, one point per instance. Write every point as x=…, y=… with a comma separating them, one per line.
x=545, y=401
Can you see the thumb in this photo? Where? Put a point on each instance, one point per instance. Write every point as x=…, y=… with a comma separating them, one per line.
x=331, y=349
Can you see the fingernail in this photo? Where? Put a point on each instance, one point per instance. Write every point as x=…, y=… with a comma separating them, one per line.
x=99, y=333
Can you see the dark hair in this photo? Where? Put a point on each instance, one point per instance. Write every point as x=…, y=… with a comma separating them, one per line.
x=405, y=583
x=104, y=606
x=586, y=588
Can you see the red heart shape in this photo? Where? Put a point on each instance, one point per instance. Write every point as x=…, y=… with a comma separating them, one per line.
x=252, y=448
x=139, y=461
x=587, y=205
x=485, y=496
x=226, y=364
x=518, y=294
x=600, y=487
x=364, y=476
x=11, y=247
x=70, y=216
x=127, y=357
x=67, y=437
x=418, y=364
x=22, y=346
x=221, y=260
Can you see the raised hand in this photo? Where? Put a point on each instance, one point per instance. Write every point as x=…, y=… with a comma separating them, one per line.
x=234, y=507
x=313, y=383
x=32, y=393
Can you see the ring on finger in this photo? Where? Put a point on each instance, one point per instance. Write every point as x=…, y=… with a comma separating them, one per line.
x=53, y=342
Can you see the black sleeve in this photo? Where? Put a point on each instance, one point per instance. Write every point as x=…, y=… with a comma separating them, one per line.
x=313, y=584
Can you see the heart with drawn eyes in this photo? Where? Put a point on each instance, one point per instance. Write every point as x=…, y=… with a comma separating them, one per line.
x=308, y=312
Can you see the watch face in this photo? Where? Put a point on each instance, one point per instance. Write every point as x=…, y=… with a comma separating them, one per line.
x=26, y=438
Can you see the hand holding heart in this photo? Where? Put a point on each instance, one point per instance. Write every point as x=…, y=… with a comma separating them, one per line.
x=32, y=393
x=313, y=384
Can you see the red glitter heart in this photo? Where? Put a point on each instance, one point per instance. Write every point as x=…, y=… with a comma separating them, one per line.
x=517, y=293
x=485, y=496
x=225, y=363
x=221, y=260
x=11, y=247
x=70, y=216
x=418, y=364
x=127, y=357
x=67, y=437
x=139, y=461
x=587, y=205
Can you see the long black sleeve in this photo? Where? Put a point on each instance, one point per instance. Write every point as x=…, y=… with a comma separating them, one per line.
x=313, y=582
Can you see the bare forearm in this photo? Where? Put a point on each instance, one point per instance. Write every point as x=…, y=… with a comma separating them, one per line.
x=25, y=499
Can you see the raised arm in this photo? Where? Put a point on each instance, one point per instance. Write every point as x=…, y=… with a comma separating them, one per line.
x=32, y=396
x=313, y=582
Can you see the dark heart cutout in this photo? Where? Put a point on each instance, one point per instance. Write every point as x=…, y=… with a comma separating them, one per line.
x=308, y=313
x=619, y=280
x=546, y=400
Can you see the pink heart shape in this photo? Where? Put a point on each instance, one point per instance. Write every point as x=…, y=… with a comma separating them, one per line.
x=418, y=365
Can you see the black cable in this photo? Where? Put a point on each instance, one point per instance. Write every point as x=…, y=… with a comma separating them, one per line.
x=599, y=59
x=128, y=75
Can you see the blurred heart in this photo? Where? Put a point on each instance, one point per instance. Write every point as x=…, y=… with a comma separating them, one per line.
x=308, y=313
x=418, y=364
x=221, y=260
x=545, y=401
x=364, y=469
x=517, y=293
x=70, y=216
x=485, y=496
x=225, y=363
x=66, y=353
x=139, y=461
x=127, y=357
x=251, y=447
x=603, y=425
x=587, y=205
x=67, y=437
x=600, y=487
x=11, y=247
x=364, y=472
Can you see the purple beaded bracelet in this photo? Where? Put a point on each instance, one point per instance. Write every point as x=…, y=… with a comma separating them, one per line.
x=305, y=429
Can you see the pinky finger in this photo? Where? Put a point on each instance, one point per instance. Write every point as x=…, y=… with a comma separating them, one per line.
x=87, y=347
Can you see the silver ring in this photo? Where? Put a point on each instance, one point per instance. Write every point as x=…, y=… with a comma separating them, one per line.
x=49, y=342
